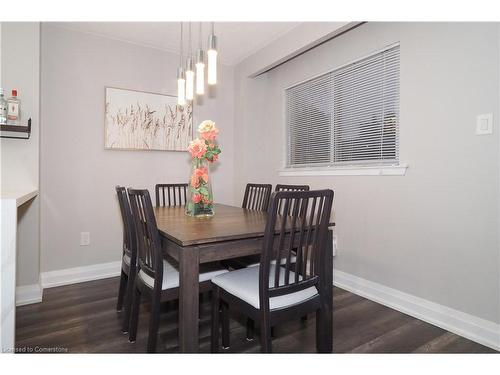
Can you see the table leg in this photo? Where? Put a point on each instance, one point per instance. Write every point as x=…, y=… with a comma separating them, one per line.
x=325, y=316
x=189, y=264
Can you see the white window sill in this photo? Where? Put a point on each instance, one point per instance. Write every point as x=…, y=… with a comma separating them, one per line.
x=389, y=170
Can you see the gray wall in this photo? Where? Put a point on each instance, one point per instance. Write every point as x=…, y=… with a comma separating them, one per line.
x=78, y=174
x=433, y=232
x=20, y=66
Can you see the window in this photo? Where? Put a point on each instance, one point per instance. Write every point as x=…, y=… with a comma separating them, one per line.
x=347, y=117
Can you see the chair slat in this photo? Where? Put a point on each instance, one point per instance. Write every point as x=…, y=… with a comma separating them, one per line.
x=280, y=244
x=291, y=242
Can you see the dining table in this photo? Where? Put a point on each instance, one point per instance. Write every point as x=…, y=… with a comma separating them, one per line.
x=231, y=233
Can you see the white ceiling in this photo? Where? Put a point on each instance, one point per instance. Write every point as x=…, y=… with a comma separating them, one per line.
x=236, y=40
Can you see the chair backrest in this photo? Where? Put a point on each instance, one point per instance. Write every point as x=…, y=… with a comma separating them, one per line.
x=148, y=237
x=303, y=233
x=280, y=187
x=257, y=197
x=129, y=237
x=171, y=194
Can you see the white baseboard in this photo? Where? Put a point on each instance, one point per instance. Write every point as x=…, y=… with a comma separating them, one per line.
x=28, y=294
x=80, y=274
x=471, y=327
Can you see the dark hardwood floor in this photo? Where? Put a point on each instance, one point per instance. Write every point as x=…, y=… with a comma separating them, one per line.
x=81, y=318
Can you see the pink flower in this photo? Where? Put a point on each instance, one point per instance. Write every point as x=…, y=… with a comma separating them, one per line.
x=197, y=148
x=215, y=157
x=210, y=135
x=196, y=198
x=201, y=173
x=195, y=181
x=206, y=200
x=208, y=130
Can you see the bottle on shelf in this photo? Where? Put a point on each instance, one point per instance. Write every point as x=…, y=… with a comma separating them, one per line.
x=13, y=109
x=3, y=109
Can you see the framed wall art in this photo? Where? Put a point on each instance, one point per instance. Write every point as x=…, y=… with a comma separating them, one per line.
x=137, y=120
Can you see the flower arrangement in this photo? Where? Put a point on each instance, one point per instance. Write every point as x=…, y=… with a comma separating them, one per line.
x=203, y=150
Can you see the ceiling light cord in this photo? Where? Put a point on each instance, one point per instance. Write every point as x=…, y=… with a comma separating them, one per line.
x=190, y=46
x=182, y=42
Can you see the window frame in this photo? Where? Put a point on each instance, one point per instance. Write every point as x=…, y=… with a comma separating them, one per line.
x=365, y=168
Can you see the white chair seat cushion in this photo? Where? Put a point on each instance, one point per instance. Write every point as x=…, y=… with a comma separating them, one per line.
x=171, y=274
x=126, y=259
x=244, y=284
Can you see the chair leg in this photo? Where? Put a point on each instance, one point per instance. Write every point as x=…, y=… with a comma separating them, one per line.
x=128, y=303
x=121, y=290
x=250, y=329
x=265, y=337
x=320, y=334
x=134, y=318
x=154, y=323
x=225, y=325
x=214, y=347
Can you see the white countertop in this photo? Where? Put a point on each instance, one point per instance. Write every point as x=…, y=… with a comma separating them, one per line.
x=20, y=196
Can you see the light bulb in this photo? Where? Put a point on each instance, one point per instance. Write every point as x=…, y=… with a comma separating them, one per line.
x=200, y=78
x=181, y=91
x=189, y=85
x=212, y=66
x=189, y=79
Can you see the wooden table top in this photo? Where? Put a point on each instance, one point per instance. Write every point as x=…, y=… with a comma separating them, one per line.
x=228, y=223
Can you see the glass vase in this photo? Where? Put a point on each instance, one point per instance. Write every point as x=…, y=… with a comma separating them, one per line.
x=200, y=200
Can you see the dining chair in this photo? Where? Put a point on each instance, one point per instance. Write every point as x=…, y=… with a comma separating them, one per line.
x=129, y=257
x=253, y=260
x=273, y=292
x=157, y=277
x=171, y=194
x=257, y=196
x=281, y=187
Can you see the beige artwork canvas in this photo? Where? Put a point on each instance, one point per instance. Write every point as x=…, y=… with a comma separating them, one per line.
x=137, y=120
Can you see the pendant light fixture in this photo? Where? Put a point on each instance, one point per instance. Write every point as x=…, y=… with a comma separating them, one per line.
x=189, y=69
x=181, y=78
x=212, y=57
x=200, y=67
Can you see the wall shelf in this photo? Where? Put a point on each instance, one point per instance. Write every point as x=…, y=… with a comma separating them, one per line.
x=16, y=131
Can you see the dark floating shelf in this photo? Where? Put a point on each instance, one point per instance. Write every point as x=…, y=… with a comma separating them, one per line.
x=15, y=131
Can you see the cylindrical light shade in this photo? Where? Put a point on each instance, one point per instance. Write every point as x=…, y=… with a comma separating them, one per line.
x=181, y=87
x=189, y=79
x=200, y=72
x=200, y=79
x=181, y=92
x=212, y=67
x=212, y=60
x=189, y=85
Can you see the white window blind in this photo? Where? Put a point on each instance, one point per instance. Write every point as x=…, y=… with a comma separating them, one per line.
x=349, y=116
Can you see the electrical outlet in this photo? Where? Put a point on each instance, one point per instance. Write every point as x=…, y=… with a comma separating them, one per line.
x=84, y=238
x=335, y=244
